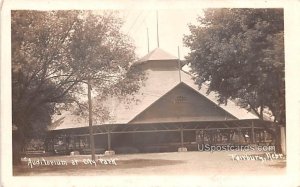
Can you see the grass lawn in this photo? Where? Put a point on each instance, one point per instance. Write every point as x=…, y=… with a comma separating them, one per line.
x=184, y=163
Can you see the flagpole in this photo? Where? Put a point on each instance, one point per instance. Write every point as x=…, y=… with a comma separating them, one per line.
x=179, y=65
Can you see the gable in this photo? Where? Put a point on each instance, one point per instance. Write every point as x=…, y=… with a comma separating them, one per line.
x=182, y=103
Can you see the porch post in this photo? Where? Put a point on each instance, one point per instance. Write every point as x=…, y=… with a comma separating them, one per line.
x=252, y=132
x=109, y=151
x=108, y=139
x=181, y=136
x=182, y=148
x=66, y=142
x=53, y=143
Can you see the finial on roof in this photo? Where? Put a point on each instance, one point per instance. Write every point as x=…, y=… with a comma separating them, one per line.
x=148, y=39
x=157, y=29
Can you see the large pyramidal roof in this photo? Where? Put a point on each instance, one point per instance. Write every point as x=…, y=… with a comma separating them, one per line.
x=159, y=82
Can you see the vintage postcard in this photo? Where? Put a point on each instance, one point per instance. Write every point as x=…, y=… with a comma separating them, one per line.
x=159, y=93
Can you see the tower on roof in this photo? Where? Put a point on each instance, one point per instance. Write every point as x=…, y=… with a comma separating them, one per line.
x=159, y=59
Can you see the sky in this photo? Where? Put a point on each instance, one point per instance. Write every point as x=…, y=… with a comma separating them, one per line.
x=172, y=25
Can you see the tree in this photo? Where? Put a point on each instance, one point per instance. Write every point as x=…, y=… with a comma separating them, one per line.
x=54, y=53
x=240, y=54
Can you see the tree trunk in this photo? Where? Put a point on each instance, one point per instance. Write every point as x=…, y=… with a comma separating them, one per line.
x=18, y=144
x=276, y=137
x=274, y=133
x=278, y=148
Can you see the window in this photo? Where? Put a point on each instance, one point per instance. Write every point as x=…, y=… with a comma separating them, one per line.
x=180, y=99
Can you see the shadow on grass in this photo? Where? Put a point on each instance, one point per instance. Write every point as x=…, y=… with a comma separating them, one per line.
x=69, y=169
x=281, y=164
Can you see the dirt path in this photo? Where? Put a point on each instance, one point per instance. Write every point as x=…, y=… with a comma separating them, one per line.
x=186, y=163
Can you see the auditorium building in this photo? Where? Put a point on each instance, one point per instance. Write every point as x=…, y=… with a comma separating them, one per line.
x=170, y=113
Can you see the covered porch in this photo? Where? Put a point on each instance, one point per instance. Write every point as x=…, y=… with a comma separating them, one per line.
x=160, y=137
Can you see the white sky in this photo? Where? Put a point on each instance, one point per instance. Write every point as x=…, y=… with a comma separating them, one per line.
x=172, y=24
